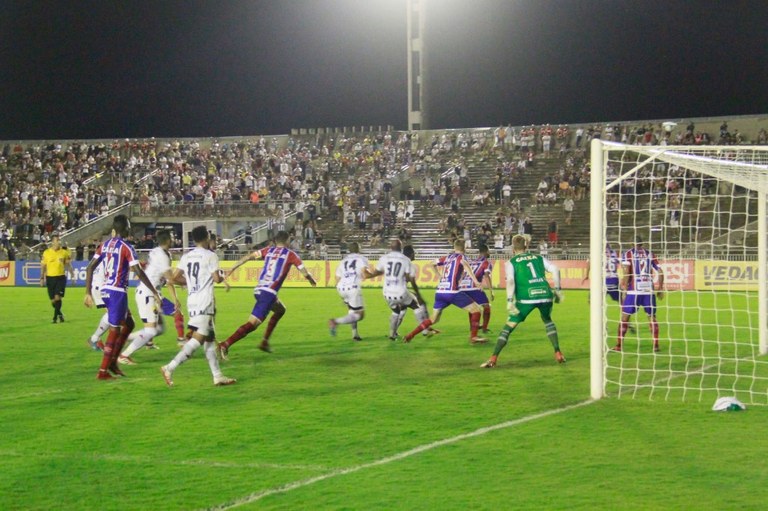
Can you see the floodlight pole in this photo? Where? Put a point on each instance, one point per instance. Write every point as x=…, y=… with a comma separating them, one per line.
x=417, y=112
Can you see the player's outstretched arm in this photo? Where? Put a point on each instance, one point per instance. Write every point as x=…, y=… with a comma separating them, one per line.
x=511, y=298
x=660, y=292
x=43, y=273
x=489, y=285
x=308, y=276
x=248, y=257
x=586, y=276
x=88, y=281
x=412, y=280
x=170, y=278
x=555, y=271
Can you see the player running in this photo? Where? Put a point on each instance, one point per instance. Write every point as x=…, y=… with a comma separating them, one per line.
x=638, y=265
x=118, y=257
x=158, y=269
x=278, y=260
x=482, y=268
x=200, y=268
x=448, y=292
x=398, y=272
x=528, y=289
x=349, y=278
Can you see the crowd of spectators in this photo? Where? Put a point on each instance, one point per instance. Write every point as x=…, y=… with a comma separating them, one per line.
x=353, y=181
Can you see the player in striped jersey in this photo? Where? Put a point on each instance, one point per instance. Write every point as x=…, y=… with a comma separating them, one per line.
x=159, y=271
x=200, y=268
x=278, y=260
x=612, y=264
x=482, y=268
x=448, y=292
x=638, y=265
x=119, y=258
x=349, y=278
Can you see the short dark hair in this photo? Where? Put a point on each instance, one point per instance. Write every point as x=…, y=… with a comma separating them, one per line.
x=163, y=236
x=199, y=234
x=120, y=225
x=354, y=247
x=482, y=248
x=281, y=237
x=409, y=252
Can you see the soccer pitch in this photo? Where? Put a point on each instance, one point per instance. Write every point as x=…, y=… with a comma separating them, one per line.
x=327, y=423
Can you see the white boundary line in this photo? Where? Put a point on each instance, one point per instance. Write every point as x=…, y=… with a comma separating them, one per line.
x=155, y=461
x=253, y=497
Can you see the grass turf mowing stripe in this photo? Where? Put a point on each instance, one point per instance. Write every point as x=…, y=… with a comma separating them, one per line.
x=248, y=499
x=147, y=460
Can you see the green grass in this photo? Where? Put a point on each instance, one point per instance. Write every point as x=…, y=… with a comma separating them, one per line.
x=320, y=404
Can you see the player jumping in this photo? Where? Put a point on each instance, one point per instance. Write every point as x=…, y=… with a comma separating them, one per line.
x=638, y=265
x=200, y=268
x=278, y=260
x=528, y=289
x=349, y=278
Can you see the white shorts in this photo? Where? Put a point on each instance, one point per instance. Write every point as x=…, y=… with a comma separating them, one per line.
x=352, y=296
x=96, y=294
x=399, y=301
x=202, y=324
x=147, y=305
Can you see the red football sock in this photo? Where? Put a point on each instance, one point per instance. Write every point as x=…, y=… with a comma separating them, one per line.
x=623, y=327
x=474, y=324
x=423, y=326
x=271, y=325
x=486, y=316
x=242, y=331
x=109, y=349
x=178, y=320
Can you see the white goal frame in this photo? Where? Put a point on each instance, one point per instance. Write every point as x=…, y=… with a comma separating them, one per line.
x=598, y=205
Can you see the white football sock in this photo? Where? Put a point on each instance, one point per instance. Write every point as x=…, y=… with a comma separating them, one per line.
x=351, y=317
x=213, y=362
x=141, y=338
x=184, y=354
x=421, y=313
x=103, y=327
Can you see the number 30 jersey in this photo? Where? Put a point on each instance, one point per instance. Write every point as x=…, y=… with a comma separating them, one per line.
x=350, y=271
x=198, y=266
x=396, y=267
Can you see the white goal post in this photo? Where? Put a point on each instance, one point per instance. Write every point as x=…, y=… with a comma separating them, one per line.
x=701, y=210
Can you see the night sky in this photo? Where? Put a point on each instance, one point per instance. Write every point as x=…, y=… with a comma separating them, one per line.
x=103, y=69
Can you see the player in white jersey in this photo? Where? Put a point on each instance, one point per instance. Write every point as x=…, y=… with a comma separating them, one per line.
x=349, y=279
x=98, y=280
x=200, y=268
x=158, y=270
x=398, y=271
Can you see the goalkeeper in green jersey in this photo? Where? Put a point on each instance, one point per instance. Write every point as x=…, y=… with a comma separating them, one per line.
x=528, y=289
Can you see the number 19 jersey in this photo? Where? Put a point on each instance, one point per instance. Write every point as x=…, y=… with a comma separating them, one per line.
x=395, y=267
x=198, y=266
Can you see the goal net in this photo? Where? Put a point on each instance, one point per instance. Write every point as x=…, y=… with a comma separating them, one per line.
x=700, y=212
